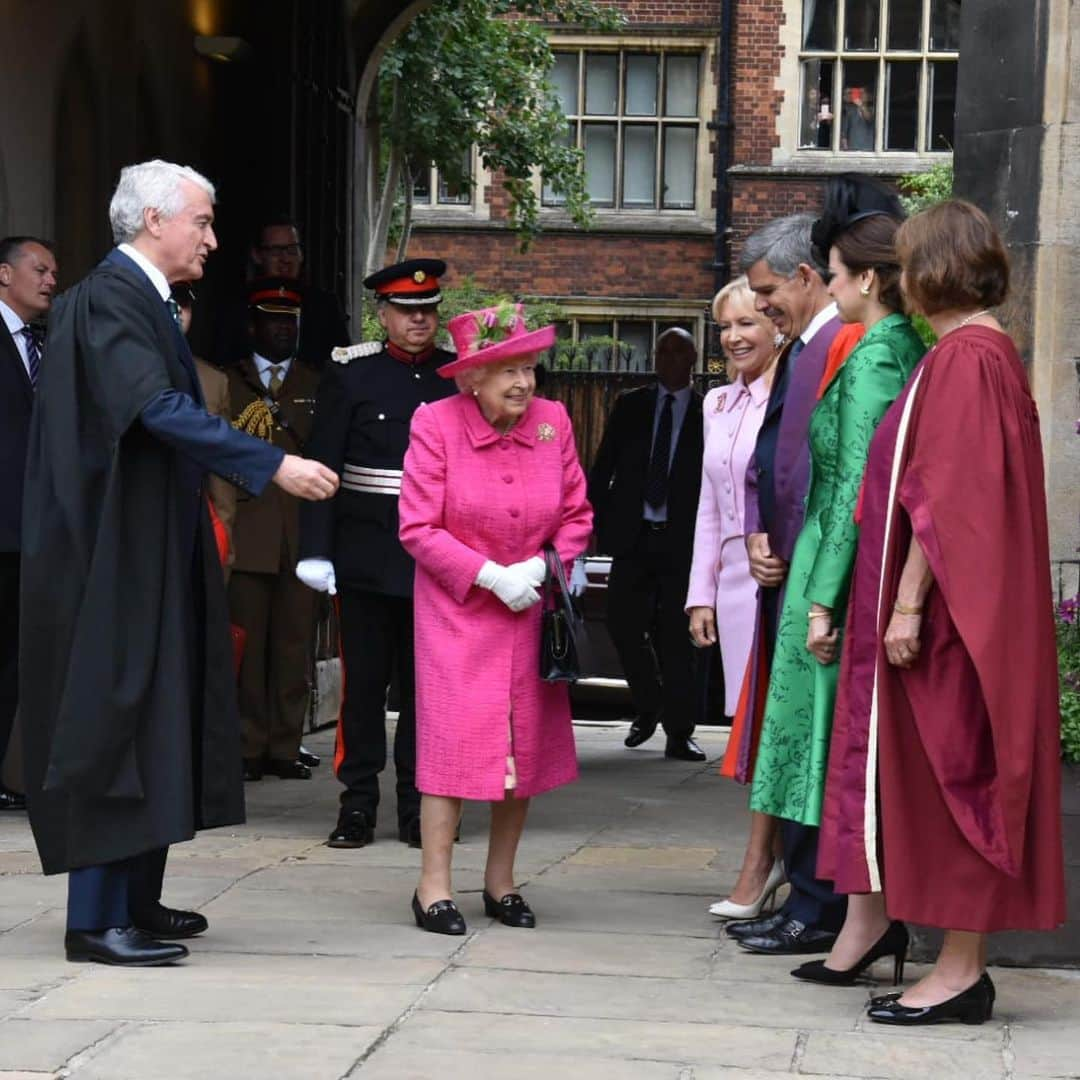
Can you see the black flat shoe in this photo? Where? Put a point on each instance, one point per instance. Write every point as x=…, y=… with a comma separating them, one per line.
x=306, y=757
x=287, y=770
x=11, y=800
x=894, y=943
x=641, y=730
x=975, y=1005
x=511, y=910
x=123, y=946
x=442, y=917
x=754, y=927
x=170, y=924
x=354, y=829
x=683, y=748
x=253, y=769
x=790, y=938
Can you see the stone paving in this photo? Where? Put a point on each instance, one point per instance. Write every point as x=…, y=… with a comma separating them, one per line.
x=313, y=969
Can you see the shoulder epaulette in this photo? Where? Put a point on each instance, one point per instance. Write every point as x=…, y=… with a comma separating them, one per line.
x=344, y=353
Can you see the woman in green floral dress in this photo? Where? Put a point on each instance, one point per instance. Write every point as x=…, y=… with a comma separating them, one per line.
x=789, y=777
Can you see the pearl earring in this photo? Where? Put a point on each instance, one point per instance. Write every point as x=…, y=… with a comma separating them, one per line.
x=865, y=290
x=476, y=393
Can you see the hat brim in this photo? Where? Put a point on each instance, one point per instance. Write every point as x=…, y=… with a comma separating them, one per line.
x=522, y=345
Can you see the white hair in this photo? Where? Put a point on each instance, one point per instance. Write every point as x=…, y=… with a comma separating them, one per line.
x=150, y=185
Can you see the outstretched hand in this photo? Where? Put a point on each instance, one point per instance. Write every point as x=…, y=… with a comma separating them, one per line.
x=305, y=479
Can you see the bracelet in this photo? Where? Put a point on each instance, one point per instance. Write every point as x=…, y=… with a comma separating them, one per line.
x=819, y=615
x=903, y=609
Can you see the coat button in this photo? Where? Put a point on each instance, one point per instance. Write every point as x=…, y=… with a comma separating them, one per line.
x=508, y=479
x=382, y=416
x=515, y=512
x=416, y=374
x=504, y=445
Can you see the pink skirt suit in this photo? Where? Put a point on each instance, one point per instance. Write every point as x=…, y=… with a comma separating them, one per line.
x=485, y=721
x=720, y=572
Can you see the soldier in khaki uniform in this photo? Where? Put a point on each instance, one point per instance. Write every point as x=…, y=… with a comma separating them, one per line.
x=273, y=397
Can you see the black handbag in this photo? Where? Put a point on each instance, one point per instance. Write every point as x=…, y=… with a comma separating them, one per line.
x=565, y=655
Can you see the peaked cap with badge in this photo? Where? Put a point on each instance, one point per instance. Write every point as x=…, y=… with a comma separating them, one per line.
x=275, y=296
x=412, y=283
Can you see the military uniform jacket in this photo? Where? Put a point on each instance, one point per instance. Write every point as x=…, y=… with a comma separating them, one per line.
x=266, y=530
x=365, y=405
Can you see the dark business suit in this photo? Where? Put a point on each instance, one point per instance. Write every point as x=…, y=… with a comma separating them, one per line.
x=650, y=570
x=16, y=403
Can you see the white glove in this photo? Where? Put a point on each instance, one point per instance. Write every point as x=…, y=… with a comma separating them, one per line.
x=511, y=585
x=317, y=574
x=534, y=569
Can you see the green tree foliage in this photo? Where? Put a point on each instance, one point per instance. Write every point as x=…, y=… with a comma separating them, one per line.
x=475, y=73
x=920, y=190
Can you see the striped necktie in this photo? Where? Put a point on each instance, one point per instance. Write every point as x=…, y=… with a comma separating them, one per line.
x=33, y=354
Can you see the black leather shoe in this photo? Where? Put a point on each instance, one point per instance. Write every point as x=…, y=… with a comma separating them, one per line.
x=442, y=917
x=684, y=749
x=287, y=770
x=755, y=927
x=511, y=910
x=253, y=769
x=408, y=832
x=791, y=938
x=170, y=924
x=894, y=943
x=11, y=800
x=306, y=757
x=354, y=829
x=124, y=946
x=975, y=1005
x=641, y=730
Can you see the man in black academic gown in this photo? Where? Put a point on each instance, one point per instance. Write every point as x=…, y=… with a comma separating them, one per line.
x=128, y=700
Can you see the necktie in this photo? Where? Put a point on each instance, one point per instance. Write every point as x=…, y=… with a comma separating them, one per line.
x=276, y=379
x=174, y=311
x=33, y=354
x=796, y=349
x=657, y=477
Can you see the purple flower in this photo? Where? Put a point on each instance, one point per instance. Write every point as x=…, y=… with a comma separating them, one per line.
x=1069, y=610
x=490, y=319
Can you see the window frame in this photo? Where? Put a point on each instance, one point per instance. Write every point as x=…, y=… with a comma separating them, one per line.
x=475, y=207
x=793, y=73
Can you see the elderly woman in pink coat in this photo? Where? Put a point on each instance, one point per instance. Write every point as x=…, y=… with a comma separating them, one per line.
x=722, y=597
x=491, y=477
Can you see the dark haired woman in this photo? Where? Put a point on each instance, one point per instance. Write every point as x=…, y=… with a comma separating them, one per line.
x=789, y=777
x=944, y=775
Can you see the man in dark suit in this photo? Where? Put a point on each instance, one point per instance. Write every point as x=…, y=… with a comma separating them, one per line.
x=276, y=251
x=644, y=489
x=128, y=704
x=27, y=284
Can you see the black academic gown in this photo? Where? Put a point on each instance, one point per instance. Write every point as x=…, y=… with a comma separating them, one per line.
x=127, y=701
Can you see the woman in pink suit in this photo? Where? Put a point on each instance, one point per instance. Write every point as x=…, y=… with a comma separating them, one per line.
x=722, y=597
x=491, y=477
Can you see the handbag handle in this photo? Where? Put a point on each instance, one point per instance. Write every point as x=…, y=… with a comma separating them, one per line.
x=554, y=569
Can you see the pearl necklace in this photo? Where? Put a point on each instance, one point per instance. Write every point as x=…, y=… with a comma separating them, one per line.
x=963, y=322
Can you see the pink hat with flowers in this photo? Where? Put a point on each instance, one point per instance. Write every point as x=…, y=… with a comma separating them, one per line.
x=493, y=334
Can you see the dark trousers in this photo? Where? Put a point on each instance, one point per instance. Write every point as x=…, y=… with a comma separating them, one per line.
x=9, y=645
x=112, y=895
x=646, y=617
x=377, y=649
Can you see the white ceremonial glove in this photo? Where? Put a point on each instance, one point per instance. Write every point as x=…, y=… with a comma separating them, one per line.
x=534, y=569
x=510, y=585
x=317, y=574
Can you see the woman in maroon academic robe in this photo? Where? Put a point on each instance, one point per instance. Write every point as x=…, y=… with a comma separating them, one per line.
x=944, y=771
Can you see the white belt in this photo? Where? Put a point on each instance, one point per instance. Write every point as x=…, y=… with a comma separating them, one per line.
x=371, y=481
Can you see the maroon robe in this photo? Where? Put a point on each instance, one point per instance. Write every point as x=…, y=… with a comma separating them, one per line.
x=966, y=773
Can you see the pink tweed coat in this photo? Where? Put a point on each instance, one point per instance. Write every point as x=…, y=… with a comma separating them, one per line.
x=469, y=495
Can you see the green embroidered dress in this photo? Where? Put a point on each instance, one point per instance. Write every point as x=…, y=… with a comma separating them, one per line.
x=789, y=777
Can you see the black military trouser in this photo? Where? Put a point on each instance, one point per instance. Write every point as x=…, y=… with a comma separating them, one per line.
x=377, y=649
x=9, y=645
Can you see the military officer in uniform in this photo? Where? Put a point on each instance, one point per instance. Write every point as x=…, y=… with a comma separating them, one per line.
x=272, y=396
x=365, y=404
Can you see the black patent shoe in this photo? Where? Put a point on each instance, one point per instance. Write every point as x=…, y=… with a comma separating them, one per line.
x=753, y=927
x=122, y=946
x=790, y=938
x=894, y=943
x=641, y=730
x=306, y=757
x=975, y=1005
x=683, y=748
x=442, y=917
x=170, y=924
x=511, y=910
x=354, y=829
x=408, y=832
x=253, y=769
x=287, y=770
x=11, y=800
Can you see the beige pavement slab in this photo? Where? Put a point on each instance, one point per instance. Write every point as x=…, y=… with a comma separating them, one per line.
x=913, y=1058
x=45, y=1045
x=187, y=1051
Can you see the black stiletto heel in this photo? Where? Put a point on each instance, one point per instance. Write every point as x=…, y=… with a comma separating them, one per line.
x=894, y=943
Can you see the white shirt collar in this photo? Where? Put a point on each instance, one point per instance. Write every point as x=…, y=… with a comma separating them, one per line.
x=157, y=278
x=817, y=322
x=11, y=320
x=263, y=365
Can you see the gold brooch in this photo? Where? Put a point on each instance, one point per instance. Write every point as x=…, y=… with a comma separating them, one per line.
x=545, y=433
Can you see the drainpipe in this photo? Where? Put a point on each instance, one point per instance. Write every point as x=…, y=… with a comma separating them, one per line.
x=723, y=128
